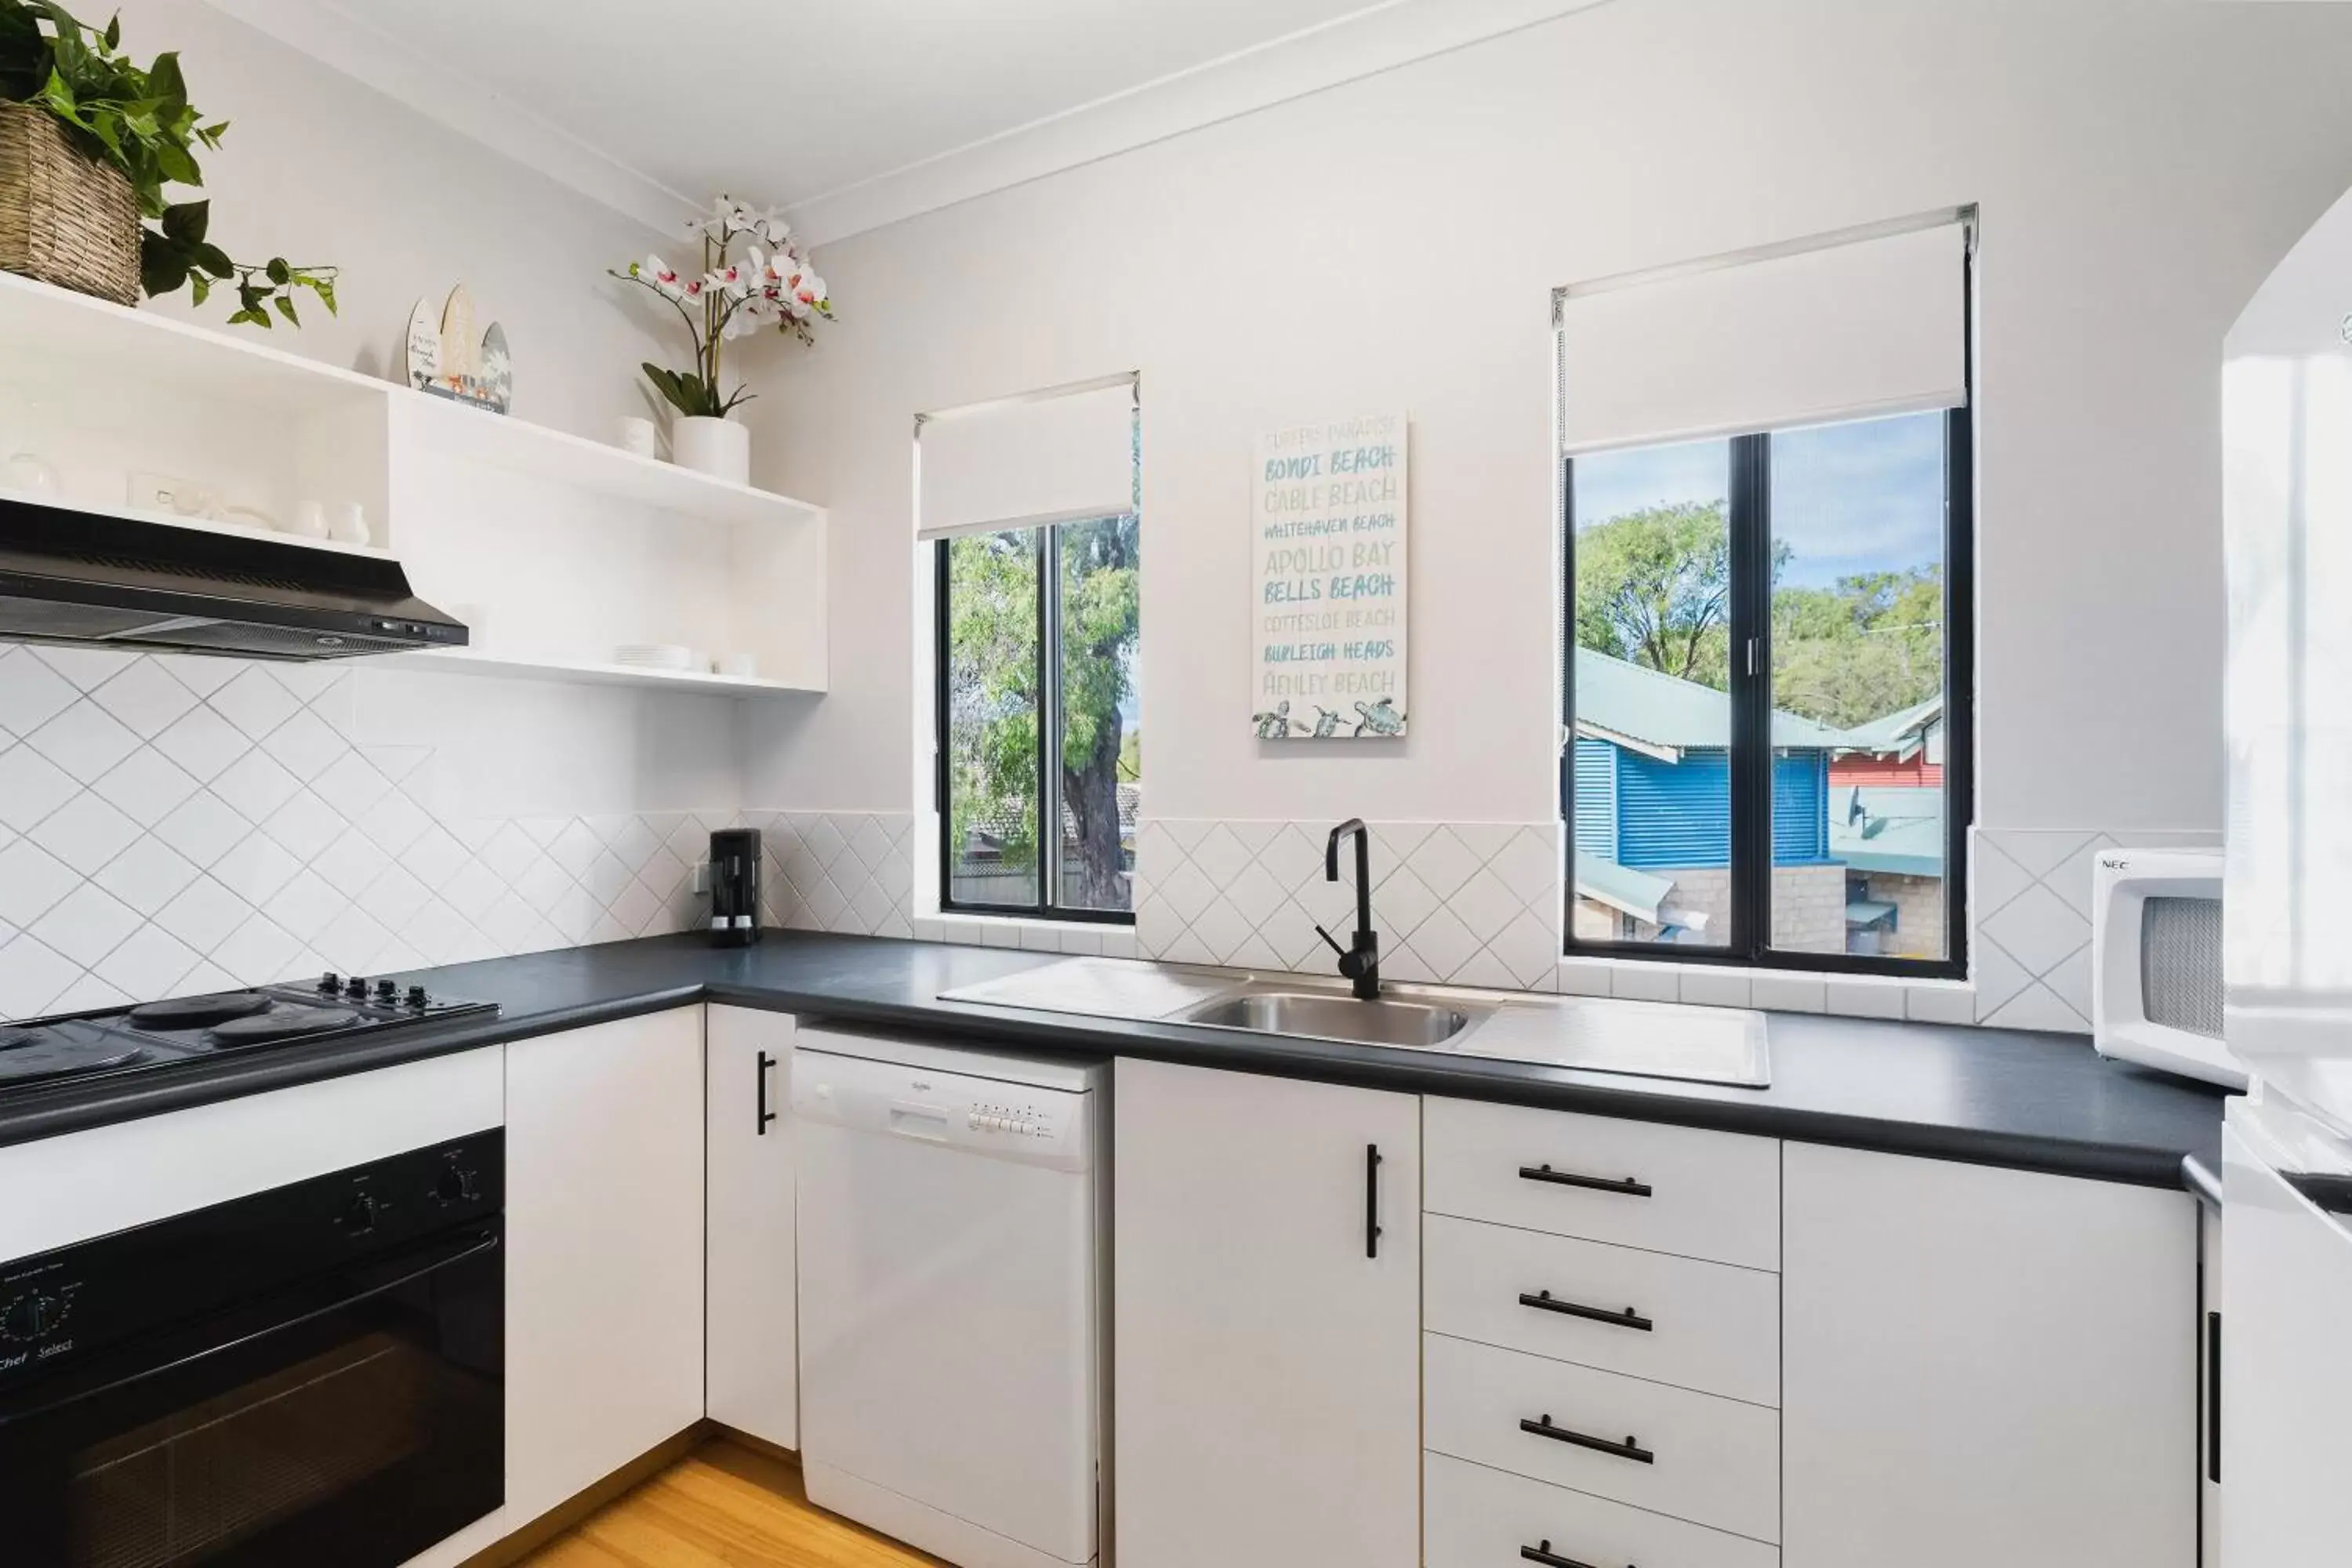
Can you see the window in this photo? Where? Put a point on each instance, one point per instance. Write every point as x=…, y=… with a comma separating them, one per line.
x=1765, y=747
x=1038, y=656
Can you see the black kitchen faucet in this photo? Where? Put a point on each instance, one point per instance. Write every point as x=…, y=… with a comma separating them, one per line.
x=1360, y=961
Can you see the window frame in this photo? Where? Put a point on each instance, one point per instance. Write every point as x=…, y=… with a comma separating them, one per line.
x=1049, y=736
x=1749, y=520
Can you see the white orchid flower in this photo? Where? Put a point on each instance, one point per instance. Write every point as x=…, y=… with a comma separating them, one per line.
x=734, y=279
x=653, y=269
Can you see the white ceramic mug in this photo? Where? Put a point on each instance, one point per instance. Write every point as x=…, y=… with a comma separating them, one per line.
x=741, y=666
x=351, y=524
x=309, y=520
x=636, y=435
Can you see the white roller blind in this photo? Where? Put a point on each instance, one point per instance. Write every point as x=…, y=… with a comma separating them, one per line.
x=1051, y=459
x=1845, y=331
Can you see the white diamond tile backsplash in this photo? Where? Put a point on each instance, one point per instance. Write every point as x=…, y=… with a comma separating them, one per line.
x=171, y=825
x=1470, y=903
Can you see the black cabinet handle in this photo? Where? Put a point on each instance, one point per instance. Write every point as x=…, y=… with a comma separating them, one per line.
x=1551, y=1559
x=766, y=1115
x=1627, y=1187
x=1371, y=1200
x=1628, y=1449
x=2213, y=1397
x=1542, y=1302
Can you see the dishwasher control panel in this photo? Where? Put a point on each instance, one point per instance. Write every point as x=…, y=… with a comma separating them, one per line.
x=1029, y=1123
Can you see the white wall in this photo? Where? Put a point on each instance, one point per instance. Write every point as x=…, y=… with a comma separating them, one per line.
x=1394, y=243
x=169, y=824
x=320, y=168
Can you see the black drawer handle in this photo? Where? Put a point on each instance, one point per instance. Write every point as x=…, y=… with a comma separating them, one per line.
x=1628, y=1449
x=1371, y=1200
x=1627, y=1187
x=1542, y=1302
x=766, y=1115
x=1551, y=1559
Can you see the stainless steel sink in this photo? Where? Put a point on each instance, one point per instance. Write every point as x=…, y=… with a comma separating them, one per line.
x=1320, y=1017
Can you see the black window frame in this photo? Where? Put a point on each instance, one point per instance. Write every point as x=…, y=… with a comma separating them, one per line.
x=1049, y=736
x=1749, y=943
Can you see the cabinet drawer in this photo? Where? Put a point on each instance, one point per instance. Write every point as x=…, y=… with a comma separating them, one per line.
x=1706, y=1326
x=1682, y=1190
x=1712, y=1461
x=1478, y=1518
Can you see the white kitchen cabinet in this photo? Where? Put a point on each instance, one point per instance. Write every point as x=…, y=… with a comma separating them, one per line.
x=1985, y=1366
x=603, y=1251
x=1266, y=1352
x=752, y=1377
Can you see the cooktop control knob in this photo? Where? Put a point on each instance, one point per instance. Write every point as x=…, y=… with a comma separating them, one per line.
x=29, y=1317
x=356, y=986
x=455, y=1186
x=416, y=996
x=360, y=1218
x=385, y=990
x=331, y=981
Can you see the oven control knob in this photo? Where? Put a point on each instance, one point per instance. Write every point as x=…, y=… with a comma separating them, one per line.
x=456, y=1187
x=360, y=1218
x=29, y=1317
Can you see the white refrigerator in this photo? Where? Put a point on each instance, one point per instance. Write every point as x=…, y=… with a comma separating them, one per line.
x=2285, y=1434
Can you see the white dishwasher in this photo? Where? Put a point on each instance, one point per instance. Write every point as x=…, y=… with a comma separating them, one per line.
x=952, y=1205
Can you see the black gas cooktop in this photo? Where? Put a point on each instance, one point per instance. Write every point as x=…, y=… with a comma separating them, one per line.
x=157, y=1033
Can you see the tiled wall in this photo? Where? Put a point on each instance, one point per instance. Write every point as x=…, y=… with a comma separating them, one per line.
x=170, y=826
x=1472, y=903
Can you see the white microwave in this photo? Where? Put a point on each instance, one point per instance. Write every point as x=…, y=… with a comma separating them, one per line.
x=2156, y=962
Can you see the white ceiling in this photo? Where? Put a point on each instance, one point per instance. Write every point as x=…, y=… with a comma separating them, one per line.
x=853, y=112
x=820, y=94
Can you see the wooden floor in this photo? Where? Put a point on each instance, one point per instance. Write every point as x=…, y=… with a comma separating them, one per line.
x=723, y=1506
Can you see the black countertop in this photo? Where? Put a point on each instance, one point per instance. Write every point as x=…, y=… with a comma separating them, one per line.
x=2033, y=1101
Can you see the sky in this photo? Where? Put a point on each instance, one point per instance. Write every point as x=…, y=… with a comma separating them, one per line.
x=1862, y=496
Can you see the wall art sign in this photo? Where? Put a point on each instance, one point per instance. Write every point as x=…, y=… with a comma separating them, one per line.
x=1328, y=601
x=447, y=361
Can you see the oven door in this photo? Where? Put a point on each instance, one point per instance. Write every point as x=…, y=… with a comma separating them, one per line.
x=354, y=1419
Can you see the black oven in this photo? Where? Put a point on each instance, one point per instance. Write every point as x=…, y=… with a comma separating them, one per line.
x=311, y=1375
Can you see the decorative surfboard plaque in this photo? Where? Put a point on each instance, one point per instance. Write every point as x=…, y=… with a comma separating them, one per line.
x=1327, y=604
x=444, y=357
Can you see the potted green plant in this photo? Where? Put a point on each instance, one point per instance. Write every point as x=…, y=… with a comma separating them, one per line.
x=736, y=294
x=89, y=140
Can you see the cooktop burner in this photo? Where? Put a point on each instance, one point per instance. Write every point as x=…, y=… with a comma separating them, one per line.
x=281, y=1024
x=197, y=1012
x=163, y=1034
x=28, y=1056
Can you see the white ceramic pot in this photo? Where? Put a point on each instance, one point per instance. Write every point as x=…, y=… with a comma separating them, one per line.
x=720, y=448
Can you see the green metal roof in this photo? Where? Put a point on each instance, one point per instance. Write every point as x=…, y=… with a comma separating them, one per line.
x=1899, y=830
x=1901, y=732
x=1666, y=715
x=1637, y=893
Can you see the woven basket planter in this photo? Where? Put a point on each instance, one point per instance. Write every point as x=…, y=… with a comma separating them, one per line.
x=64, y=218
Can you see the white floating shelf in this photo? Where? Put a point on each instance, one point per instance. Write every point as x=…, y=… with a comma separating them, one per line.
x=467, y=661
x=452, y=429
x=70, y=332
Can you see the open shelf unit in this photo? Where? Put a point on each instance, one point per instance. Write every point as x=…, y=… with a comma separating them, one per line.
x=555, y=548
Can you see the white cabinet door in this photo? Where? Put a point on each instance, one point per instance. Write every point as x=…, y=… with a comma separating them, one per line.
x=1984, y=1367
x=603, y=1251
x=1266, y=1350
x=752, y=1382
x=2286, y=1371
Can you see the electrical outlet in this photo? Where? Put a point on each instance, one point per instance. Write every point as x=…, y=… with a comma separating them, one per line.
x=702, y=876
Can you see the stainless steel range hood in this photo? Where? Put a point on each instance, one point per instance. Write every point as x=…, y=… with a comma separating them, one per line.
x=73, y=576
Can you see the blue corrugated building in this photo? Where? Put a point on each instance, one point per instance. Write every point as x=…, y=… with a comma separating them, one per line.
x=1650, y=785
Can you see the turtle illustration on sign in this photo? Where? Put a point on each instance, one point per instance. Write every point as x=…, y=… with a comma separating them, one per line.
x=1273, y=726
x=1380, y=718
x=1327, y=722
